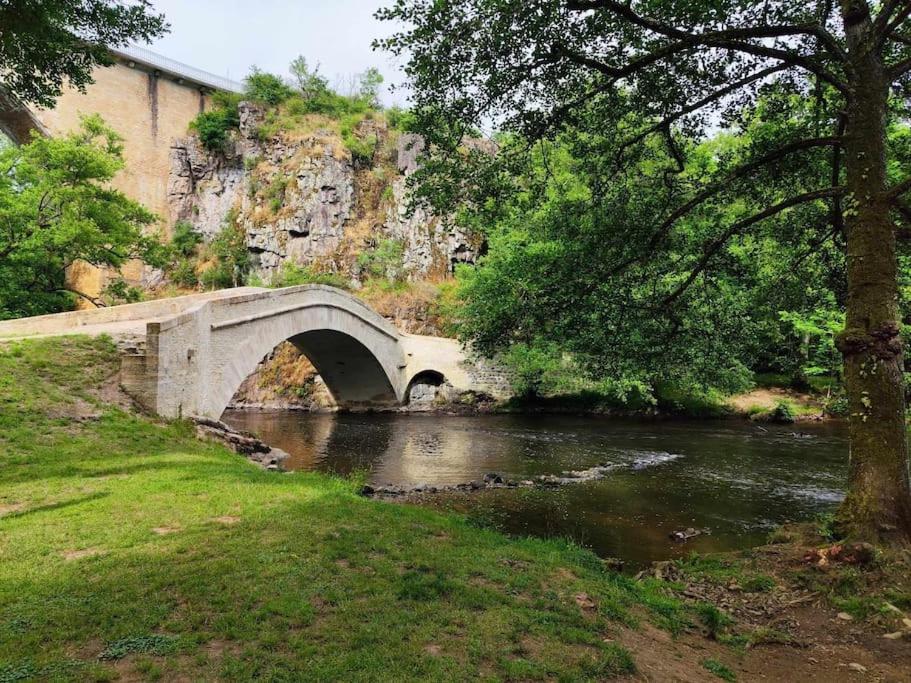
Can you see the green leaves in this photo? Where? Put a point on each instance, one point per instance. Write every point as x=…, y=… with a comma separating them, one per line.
x=46, y=43
x=57, y=208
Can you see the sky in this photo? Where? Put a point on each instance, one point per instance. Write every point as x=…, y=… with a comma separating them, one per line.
x=226, y=37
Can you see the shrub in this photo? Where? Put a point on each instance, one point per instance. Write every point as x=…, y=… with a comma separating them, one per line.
x=361, y=149
x=384, y=260
x=212, y=127
x=783, y=412
x=185, y=239
x=401, y=119
x=714, y=620
x=231, y=266
x=183, y=273
x=275, y=193
x=291, y=275
x=222, y=99
x=266, y=88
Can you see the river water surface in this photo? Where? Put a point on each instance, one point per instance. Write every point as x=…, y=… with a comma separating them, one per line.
x=735, y=478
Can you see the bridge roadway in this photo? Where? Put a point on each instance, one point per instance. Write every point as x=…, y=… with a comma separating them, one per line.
x=188, y=355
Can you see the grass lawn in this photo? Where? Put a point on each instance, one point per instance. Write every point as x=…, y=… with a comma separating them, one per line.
x=130, y=549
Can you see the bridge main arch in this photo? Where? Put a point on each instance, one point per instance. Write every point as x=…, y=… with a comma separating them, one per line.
x=205, y=354
x=355, y=351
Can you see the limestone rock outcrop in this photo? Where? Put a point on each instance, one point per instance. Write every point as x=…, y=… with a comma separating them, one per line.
x=204, y=187
x=301, y=199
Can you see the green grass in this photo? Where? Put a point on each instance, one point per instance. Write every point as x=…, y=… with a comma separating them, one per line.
x=129, y=547
x=719, y=669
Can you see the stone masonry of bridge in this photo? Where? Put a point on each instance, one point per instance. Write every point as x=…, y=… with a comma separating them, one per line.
x=188, y=355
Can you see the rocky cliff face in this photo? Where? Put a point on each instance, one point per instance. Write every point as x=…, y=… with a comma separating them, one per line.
x=301, y=199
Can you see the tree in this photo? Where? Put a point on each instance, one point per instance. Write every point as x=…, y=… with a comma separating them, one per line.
x=635, y=71
x=369, y=84
x=57, y=208
x=45, y=43
x=310, y=83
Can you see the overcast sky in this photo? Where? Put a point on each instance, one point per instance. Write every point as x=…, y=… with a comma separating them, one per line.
x=226, y=37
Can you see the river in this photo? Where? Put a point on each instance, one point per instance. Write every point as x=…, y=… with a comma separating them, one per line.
x=735, y=478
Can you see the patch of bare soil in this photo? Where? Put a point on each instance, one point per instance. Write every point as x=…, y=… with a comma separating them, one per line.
x=765, y=399
x=76, y=410
x=165, y=530
x=112, y=393
x=70, y=555
x=791, y=631
x=10, y=508
x=227, y=520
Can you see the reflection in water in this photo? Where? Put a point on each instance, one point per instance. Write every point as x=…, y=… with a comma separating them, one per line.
x=731, y=476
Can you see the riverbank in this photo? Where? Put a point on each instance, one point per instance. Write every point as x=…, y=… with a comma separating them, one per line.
x=763, y=403
x=131, y=550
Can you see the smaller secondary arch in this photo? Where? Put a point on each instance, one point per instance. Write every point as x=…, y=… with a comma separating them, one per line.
x=425, y=387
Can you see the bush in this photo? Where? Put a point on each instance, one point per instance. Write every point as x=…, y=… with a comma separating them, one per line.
x=783, y=412
x=222, y=99
x=183, y=273
x=291, y=275
x=400, y=119
x=185, y=239
x=231, y=266
x=213, y=127
x=384, y=260
x=275, y=193
x=266, y=88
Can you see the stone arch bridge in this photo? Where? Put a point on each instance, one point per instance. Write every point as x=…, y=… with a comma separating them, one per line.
x=188, y=355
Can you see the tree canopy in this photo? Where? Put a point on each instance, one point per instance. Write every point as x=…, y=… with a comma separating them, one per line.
x=809, y=89
x=57, y=208
x=45, y=44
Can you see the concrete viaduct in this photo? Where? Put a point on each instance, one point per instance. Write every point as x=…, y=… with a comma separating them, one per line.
x=188, y=355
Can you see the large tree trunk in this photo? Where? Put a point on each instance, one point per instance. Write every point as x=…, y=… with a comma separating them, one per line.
x=878, y=506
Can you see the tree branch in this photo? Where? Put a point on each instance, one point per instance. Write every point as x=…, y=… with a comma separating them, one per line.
x=670, y=31
x=740, y=226
x=714, y=188
x=95, y=301
x=898, y=190
x=885, y=23
x=696, y=106
x=720, y=39
x=899, y=68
